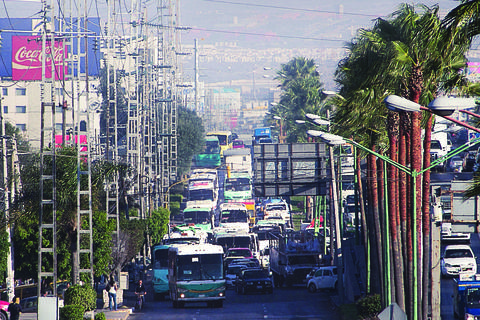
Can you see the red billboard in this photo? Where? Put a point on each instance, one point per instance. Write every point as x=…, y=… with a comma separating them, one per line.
x=27, y=58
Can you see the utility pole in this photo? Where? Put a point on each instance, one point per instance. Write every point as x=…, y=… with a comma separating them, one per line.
x=6, y=208
x=47, y=241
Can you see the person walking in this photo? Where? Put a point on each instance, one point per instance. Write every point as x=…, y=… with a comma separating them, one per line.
x=15, y=309
x=112, y=293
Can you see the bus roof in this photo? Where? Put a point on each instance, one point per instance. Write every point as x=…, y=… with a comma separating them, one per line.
x=211, y=138
x=198, y=249
x=215, y=133
x=196, y=209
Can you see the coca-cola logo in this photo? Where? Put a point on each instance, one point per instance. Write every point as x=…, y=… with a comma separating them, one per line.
x=25, y=54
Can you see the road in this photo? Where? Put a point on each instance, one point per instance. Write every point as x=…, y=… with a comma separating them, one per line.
x=447, y=284
x=284, y=303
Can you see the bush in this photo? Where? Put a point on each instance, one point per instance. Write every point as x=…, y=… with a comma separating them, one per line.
x=83, y=296
x=100, y=316
x=369, y=306
x=71, y=312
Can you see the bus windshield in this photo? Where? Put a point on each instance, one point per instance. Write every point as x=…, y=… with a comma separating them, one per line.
x=200, y=267
x=196, y=217
x=237, y=184
x=160, y=258
x=201, y=194
x=232, y=216
x=234, y=242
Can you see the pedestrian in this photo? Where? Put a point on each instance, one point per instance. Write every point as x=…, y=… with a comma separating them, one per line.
x=15, y=309
x=112, y=293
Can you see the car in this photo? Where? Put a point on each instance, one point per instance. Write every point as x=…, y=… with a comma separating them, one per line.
x=4, y=310
x=237, y=253
x=455, y=164
x=323, y=278
x=232, y=272
x=458, y=259
x=253, y=280
x=238, y=144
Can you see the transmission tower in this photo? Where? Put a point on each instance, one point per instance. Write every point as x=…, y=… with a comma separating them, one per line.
x=111, y=143
x=47, y=244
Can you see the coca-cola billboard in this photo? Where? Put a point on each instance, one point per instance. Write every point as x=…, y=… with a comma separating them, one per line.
x=27, y=58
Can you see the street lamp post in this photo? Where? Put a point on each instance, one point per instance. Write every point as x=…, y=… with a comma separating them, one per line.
x=442, y=106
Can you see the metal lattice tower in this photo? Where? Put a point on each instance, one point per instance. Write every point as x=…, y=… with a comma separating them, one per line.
x=84, y=157
x=111, y=149
x=47, y=244
x=168, y=152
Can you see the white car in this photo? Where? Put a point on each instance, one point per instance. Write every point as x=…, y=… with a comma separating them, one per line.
x=324, y=278
x=458, y=259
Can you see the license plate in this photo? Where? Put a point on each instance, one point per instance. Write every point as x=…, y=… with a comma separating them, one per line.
x=259, y=287
x=201, y=295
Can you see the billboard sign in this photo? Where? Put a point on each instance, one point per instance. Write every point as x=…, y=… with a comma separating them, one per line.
x=27, y=58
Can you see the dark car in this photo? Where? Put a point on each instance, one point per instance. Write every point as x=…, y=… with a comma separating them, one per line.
x=253, y=280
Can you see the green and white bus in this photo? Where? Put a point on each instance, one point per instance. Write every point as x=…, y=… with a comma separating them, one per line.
x=195, y=274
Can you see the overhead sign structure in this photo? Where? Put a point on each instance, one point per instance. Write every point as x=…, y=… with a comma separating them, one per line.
x=297, y=169
x=27, y=55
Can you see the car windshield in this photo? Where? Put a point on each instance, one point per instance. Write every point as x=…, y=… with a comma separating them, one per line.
x=251, y=274
x=473, y=298
x=235, y=269
x=458, y=253
x=239, y=253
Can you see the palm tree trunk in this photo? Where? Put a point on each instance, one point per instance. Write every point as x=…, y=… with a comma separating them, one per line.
x=426, y=217
x=375, y=222
x=393, y=210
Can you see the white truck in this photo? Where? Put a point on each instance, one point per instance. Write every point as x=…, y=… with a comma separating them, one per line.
x=448, y=235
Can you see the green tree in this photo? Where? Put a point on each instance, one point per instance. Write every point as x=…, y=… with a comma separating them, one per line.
x=190, y=140
x=158, y=225
x=409, y=54
x=301, y=94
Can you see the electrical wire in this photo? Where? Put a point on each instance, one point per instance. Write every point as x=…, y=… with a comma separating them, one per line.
x=290, y=8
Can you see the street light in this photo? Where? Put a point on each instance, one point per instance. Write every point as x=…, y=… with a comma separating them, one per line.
x=441, y=106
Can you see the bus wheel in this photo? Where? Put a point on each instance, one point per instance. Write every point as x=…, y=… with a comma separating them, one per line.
x=181, y=304
x=175, y=304
x=219, y=304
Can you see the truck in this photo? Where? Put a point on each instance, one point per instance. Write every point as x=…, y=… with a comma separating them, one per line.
x=292, y=256
x=449, y=235
x=261, y=133
x=466, y=297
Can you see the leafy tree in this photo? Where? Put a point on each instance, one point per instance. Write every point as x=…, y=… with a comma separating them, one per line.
x=158, y=224
x=190, y=140
x=301, y=94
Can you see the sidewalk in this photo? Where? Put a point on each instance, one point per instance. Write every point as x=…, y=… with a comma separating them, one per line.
x=121, y=314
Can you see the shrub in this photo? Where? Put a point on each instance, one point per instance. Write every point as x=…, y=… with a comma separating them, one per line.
x=100, y=316
x=71, y=312
x=83, y=296
x=369, y=306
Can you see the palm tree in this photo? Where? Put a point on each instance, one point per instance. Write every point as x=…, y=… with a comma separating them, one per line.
x=408, y=54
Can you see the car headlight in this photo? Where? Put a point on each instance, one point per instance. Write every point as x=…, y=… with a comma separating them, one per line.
x=471, y=264
x=469, y=316
x=447, y=265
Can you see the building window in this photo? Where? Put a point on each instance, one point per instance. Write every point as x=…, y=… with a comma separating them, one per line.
x=58, y=127
x=20, y=92
x=5, y=109
x=21, y=109
x=22, y=127
x=5, y=91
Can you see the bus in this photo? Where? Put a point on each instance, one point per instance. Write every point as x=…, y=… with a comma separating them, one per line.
x=160, y=270
x=234, y=216
x=225, y=138
x=211, y=156
x=200, y=216
x=238, y=187
x=196, y=275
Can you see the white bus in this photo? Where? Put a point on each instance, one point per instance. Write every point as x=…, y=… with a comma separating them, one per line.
x=195, y=274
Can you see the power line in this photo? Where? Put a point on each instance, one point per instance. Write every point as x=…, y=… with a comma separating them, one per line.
x=265, y=34
x=291, y=8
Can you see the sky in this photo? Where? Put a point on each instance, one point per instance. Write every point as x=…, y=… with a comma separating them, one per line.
x=284, y=27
